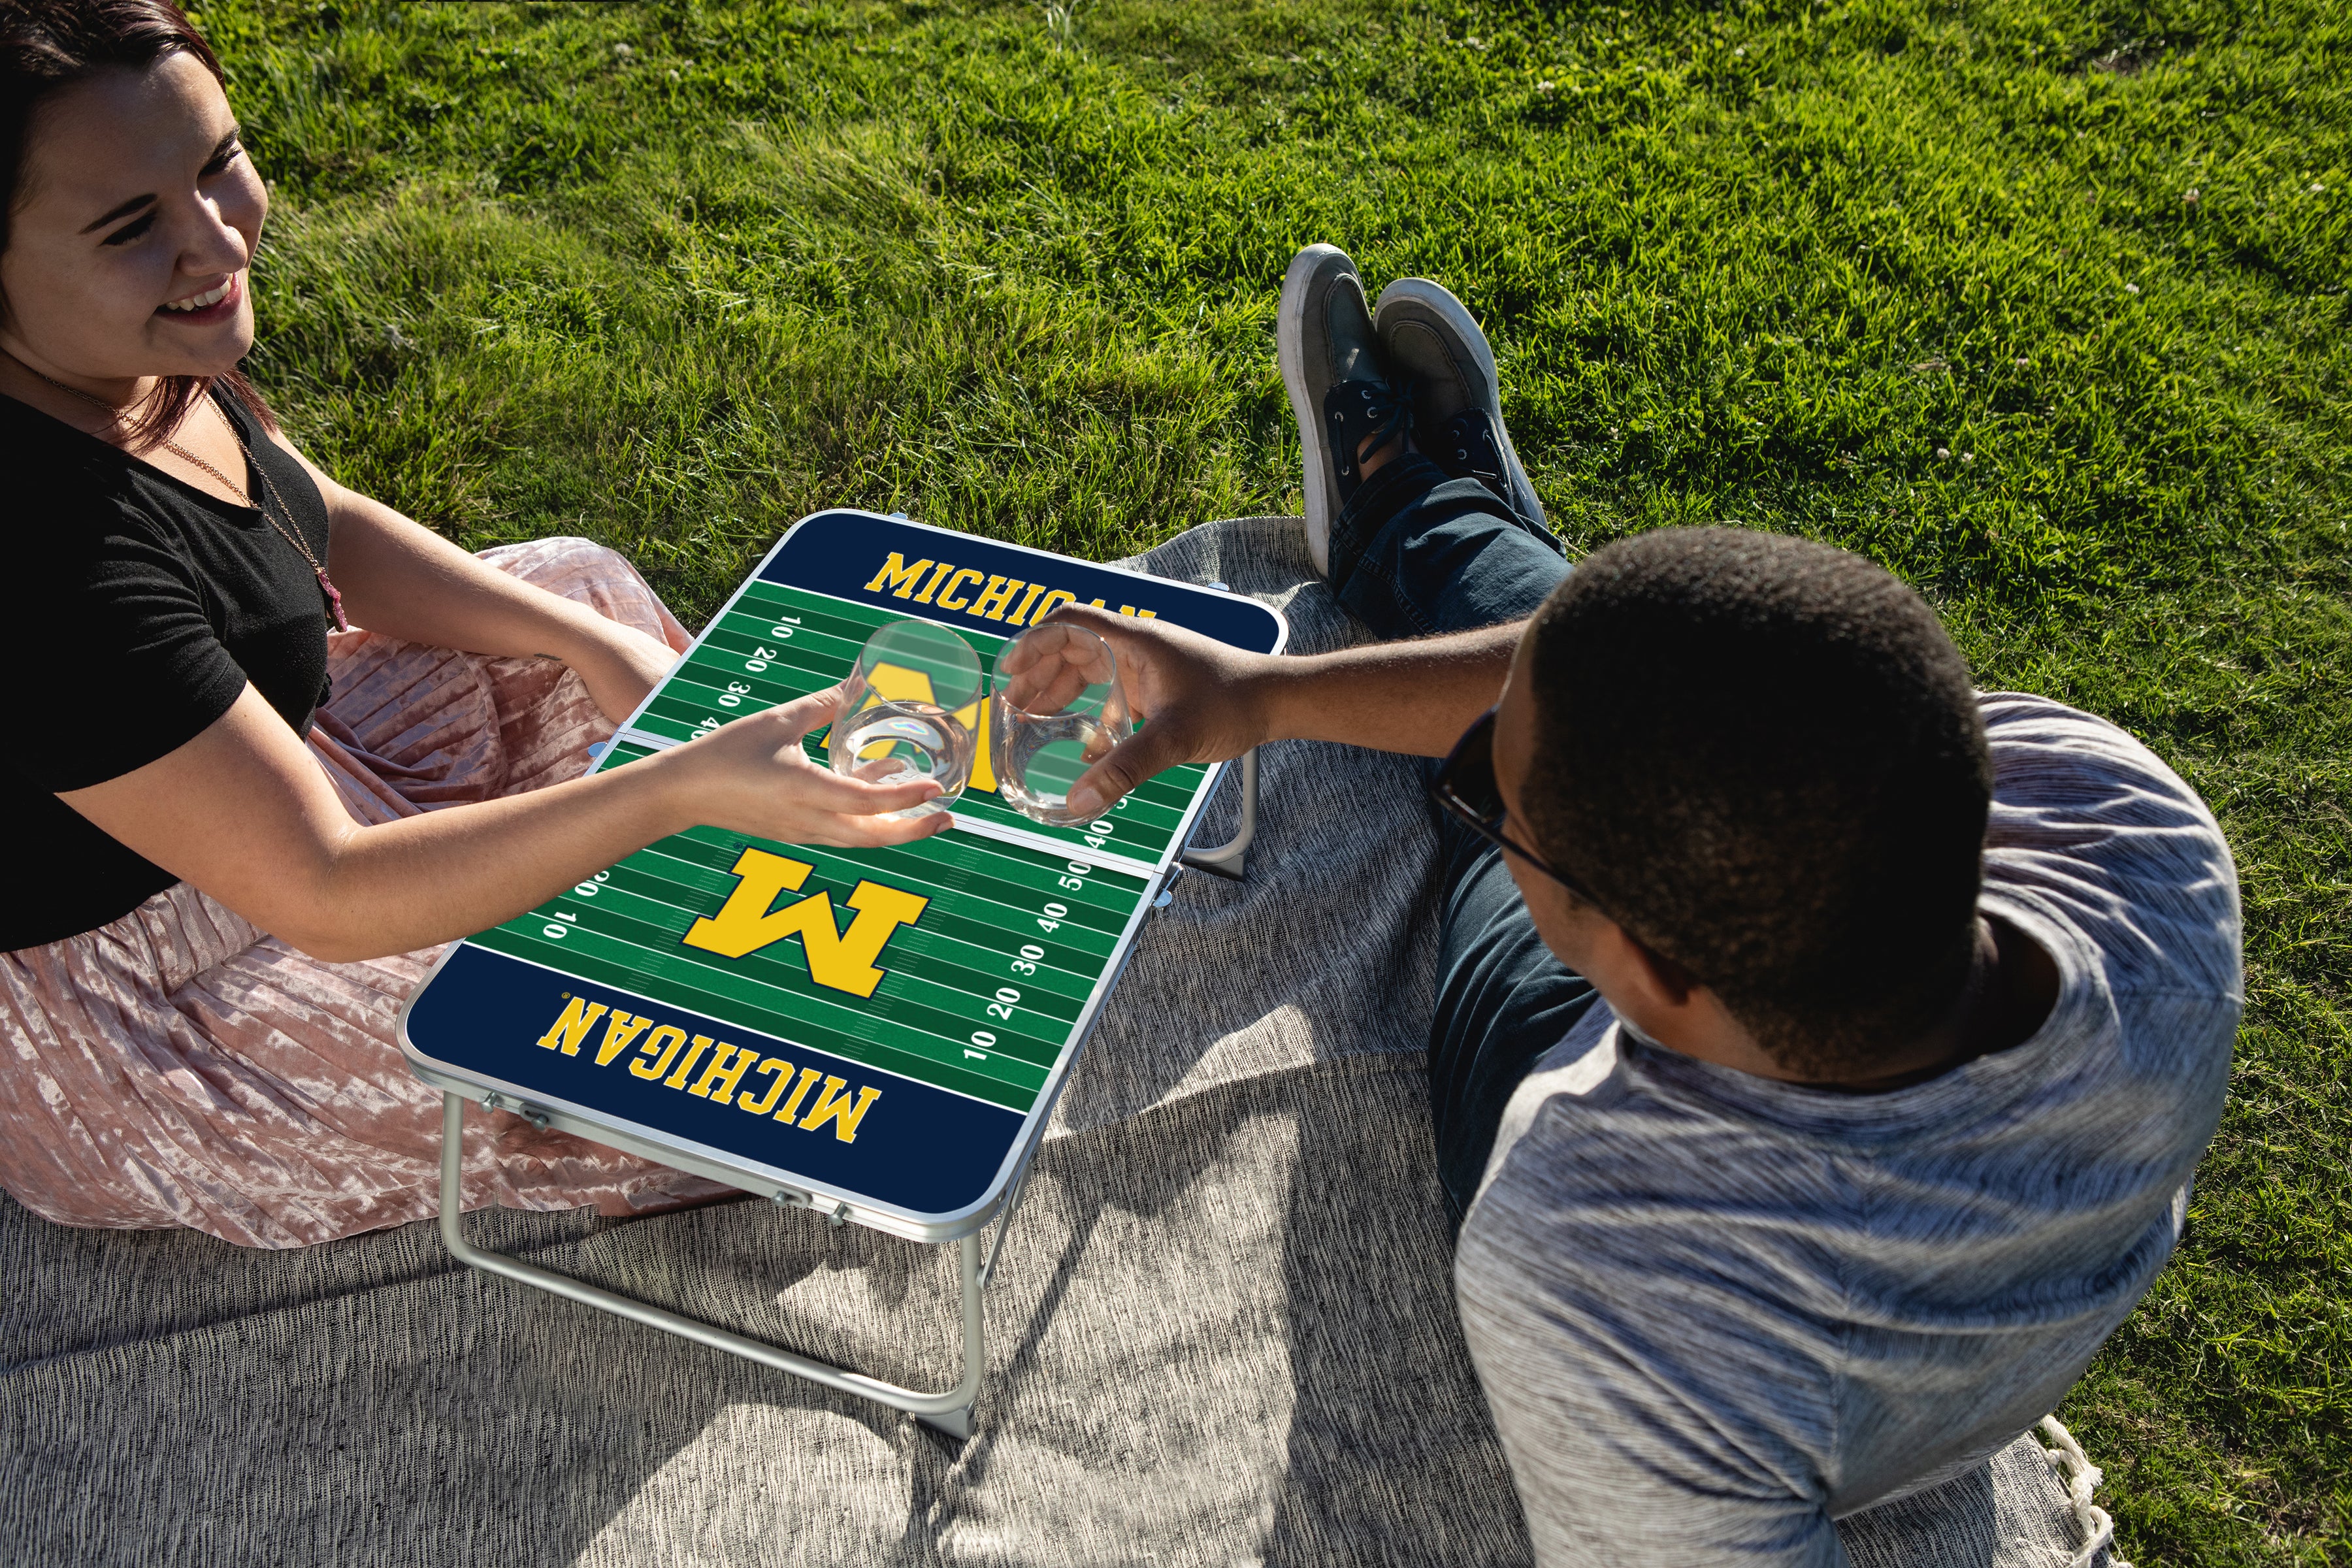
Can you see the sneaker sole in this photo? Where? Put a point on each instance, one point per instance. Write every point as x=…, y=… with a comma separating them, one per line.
x=1290, y=354
x=1463, y=326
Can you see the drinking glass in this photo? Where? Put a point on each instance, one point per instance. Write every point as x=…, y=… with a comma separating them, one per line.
x=912, y=711
x=1056, y=709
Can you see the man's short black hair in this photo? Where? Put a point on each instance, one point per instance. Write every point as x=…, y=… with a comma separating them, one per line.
x=1764, y=757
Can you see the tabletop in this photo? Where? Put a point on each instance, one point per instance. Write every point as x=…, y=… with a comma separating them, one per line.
x=885, y=1029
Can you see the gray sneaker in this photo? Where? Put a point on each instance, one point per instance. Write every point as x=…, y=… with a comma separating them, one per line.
x=1337, y=380
x=1435, y=346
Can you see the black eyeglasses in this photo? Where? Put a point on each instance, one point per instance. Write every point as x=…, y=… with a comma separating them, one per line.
x=1464, y=786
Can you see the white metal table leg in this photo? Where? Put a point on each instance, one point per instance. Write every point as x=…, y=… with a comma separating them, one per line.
x=1229, y=858
x=949, y=1412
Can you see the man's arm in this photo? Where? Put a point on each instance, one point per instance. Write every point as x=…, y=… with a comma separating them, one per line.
x=1207, y=702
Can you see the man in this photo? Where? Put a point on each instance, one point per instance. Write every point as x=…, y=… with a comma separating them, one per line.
x=1821, y=1050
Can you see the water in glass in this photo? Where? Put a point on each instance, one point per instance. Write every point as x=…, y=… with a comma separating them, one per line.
x=898, y=743
x=912, y=709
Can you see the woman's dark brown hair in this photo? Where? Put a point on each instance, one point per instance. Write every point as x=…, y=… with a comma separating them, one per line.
x=48, y=45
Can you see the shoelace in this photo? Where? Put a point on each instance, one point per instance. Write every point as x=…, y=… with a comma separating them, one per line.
x=1387, y=409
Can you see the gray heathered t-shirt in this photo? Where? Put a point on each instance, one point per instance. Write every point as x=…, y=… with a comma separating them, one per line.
x=1715, y=1312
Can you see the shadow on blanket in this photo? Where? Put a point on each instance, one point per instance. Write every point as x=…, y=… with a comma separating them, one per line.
x=1223, y=1330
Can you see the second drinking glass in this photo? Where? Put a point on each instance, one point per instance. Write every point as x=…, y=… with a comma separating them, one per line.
x=1056, y=709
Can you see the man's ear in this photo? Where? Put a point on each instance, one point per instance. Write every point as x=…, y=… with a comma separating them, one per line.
x=1674, y=983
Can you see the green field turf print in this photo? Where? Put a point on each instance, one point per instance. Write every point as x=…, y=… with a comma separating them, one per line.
x=776, y=644
x=964, y=962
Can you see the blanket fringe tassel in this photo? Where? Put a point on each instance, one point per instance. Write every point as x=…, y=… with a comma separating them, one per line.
x=2074, y=1467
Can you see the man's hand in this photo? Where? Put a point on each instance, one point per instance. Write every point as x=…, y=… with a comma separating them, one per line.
x=1202, y=700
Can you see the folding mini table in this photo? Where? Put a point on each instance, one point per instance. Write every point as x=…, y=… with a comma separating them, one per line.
x=876, y=1034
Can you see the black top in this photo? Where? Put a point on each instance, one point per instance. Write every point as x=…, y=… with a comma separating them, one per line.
x=139, y=608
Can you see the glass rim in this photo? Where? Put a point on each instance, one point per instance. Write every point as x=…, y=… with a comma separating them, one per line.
x=964, y=660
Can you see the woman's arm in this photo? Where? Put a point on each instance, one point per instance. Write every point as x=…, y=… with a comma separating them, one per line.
x=244, y=813
x=400, y=578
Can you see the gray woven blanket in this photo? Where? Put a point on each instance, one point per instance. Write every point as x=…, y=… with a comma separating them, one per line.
x=1223, y=1331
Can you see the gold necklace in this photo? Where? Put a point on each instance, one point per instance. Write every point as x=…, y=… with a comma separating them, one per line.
x=291, y=535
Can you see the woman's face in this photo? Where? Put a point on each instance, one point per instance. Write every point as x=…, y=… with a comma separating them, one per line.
x=136, y=219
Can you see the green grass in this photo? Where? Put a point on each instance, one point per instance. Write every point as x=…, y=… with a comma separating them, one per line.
x=1012, y=269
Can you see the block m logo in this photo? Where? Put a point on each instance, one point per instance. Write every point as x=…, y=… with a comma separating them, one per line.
x=843, y=960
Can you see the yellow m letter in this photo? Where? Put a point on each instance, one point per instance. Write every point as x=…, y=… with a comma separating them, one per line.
x=833, y=1105
x=843, y=961
x=897, y=575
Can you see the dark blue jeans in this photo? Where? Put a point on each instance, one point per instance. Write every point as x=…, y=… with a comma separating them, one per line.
x=1414, y=554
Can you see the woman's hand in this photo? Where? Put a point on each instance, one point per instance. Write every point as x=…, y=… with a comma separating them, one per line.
x=244, y=811
x=751, y=776
x=619, y=664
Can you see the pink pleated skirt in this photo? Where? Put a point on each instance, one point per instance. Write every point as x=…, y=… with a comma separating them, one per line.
x=180, y=1066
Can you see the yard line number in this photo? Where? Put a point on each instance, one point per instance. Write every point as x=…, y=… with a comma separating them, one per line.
x=1002, y=1007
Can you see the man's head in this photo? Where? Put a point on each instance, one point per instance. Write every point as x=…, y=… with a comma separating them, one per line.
x=1764, y=758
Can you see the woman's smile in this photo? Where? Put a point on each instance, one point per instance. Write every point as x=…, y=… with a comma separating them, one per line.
x=217, y=303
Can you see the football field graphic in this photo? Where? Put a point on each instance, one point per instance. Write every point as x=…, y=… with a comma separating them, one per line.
x=883, y=1025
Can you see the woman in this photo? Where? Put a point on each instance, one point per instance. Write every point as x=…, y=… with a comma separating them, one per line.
x=242, y=834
